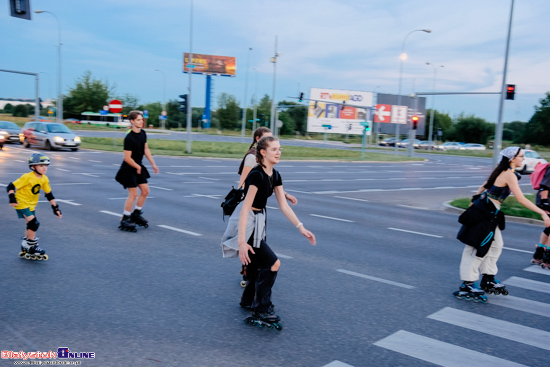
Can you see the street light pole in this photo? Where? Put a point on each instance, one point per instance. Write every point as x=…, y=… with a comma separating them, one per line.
x=402, y=58
x=243, y=128
x=273, y=117
x=430, y=133
x=59, y=84
x=498, y=131
x=190, y=61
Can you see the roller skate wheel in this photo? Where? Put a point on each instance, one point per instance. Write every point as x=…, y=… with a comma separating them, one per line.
x=22, y=254
x=243, y=283
x=34, y=257
x=27, y=256
x=146, y=225
x=45, y=257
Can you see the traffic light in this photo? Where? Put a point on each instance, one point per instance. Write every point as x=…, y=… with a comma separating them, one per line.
x=415, y=122
x=301, y=97
x=262, y=119
x=20, y=9
x=183, y=104
x=510, y=91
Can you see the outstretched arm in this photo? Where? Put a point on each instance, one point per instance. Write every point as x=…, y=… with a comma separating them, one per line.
x=291, y=216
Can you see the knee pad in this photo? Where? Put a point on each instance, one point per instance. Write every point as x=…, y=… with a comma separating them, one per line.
x=33, y=224
x=547, y=231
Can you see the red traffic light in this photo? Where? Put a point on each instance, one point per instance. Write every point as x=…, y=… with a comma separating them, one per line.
x=510, y=91
x=415, y=121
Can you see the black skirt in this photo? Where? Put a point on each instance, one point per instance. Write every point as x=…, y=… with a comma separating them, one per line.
x=127, y=176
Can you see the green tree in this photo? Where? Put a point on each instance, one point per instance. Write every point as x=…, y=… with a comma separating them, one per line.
x=21, y=110
x=471, y=129
x=175, y=117
x=441, y=121
x=130, y=102
x=88, y=94
x=514, y=131
x=293, y=118
x=537, y=129
x=8, y=108
x=228, y=112
x=154, y=110
x=264, y=108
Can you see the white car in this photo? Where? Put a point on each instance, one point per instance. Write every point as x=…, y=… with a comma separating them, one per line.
x=532, y=158
x=449, y=146
x=472, y=146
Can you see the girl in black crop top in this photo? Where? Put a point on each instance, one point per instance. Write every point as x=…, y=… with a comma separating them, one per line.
x=498, y=186
x=262, y=263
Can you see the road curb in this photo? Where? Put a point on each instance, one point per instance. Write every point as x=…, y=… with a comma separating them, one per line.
x=509, y=218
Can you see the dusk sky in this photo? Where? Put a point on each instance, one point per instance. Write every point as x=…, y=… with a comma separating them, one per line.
x=346, y=45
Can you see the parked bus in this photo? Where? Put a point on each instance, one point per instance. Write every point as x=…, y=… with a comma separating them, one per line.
x=110, y=119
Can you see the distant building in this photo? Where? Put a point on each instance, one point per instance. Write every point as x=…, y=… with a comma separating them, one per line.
x=17, y=101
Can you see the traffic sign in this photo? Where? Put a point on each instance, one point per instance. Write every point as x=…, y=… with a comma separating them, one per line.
x=162, y=117
x=327, y=126
x=115, y=106
x=145, y=114
x=164, y=113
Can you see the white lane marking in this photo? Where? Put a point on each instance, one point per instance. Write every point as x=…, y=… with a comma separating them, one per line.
x=272, y=207
x=299, y=192
x=420, y=233
x=148, y=197
x=488, y=325
x=339, y=219
x=180, y=230
x=523, y=304
x=283, y=256
x=343, y=197
x=62, y=169
x=517, y=250
x=532, y=285
x=412, y=207
x=70, y=202
x=89, y=174
x=537, y=269
x=72, y=183
x=337, y=364
x=202, y=196
x=438, y=352
x=196, y=182
x=111, y=213
x=212, y=179
x=90, y=160
x=375, y=279
x=397, y=189
x=160, y=188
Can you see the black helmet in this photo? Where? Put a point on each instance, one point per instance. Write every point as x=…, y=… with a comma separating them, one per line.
x=37, y=158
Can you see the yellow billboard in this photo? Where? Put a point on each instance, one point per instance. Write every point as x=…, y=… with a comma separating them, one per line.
x=210, y=64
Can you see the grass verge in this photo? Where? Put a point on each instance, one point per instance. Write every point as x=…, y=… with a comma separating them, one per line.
x=509, y=207
x=237, y=150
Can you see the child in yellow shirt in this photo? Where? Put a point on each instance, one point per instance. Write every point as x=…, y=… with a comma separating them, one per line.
x=23, y=194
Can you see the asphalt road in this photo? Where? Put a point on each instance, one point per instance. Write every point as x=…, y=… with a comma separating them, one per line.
x=375, y=291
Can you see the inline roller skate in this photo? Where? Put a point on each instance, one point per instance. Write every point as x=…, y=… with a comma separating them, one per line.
x=538, y=255
x=126, y=224
x=492, y=286
x=546, y=259
x=470, y=291
x=269, y=320
x=138, y=219
x=31, y=251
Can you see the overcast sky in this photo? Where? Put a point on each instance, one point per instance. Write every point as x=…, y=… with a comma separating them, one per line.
x=346, y=45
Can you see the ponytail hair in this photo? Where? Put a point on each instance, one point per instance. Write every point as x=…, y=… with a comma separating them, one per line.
x=263, y=143
x=503, y=165
x=258, y=133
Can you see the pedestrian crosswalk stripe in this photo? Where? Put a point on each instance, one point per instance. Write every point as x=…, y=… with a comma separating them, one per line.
x=532, y=285
x=537, y=269
x=438, y=352
x=337, y=364
x=522, y=304
x=488, y=325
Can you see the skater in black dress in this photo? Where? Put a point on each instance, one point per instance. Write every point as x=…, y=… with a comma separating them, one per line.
x=133, y=174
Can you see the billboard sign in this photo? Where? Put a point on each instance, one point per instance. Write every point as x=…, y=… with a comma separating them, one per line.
x=210, y=64
x=388, y=113
x=327, y=107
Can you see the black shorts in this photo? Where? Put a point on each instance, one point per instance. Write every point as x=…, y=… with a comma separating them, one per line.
x=127, y=176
